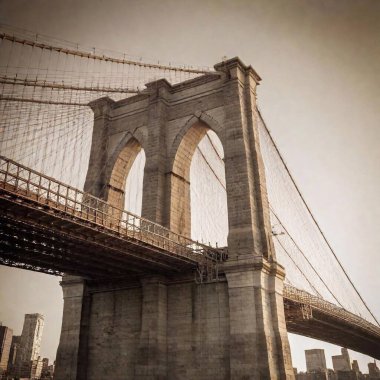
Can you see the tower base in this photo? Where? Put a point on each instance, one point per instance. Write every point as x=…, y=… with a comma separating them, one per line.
x=177, y=327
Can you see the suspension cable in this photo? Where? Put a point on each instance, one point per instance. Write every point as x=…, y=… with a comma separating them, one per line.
x=313, y=218
x=62, y=86
x=82, y=54
x=40, y=101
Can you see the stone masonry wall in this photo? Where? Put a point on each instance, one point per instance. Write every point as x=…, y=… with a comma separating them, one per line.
x=197, y=332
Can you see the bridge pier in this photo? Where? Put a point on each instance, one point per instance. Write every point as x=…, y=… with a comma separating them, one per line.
x=176, y=328
x=152, y=349
x=259, y=347
x=71, y=361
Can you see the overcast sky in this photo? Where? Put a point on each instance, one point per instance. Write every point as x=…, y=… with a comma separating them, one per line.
x=319, y=61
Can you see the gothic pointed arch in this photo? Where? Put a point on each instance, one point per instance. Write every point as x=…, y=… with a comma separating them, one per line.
x=183, y=151
x=122, y=162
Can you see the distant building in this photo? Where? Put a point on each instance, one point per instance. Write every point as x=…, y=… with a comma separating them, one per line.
x=355, y=366
x=315, y=365
x=342, y=362
x=315, y=360
x=356, y=370
x=36, y=368
x=343, y=369
x=45, y=365
x=15, y=345
x=347, y=375
x=31, y=370
x=301, y=376
x=51, y=369
x=5, y=346
x=373, y=371
x=28, y=362
x=315, y=375
x=331, y=375
x=47, y=370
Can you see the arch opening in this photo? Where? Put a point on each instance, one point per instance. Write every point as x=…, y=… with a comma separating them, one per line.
x=198, y=187
x=134, y=185
x=208, y=196
x=126, y=180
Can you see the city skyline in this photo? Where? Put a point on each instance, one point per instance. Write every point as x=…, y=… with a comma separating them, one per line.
x=343, y=367
x=20, y=354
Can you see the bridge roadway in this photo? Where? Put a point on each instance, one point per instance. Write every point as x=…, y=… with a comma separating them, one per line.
x=50, y=227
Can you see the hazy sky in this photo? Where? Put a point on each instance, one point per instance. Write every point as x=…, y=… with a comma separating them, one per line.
x=320, y=96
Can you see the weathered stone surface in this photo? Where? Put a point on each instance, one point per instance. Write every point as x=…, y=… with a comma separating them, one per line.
x=175, y=328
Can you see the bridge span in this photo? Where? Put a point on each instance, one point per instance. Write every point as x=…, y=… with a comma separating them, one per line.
x=50, y=227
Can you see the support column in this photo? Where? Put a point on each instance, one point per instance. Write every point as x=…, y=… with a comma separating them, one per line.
x=248, y=211
x=152, y=350
x=179, y=220
x=154, y=187
x=72, y=349
x=259, y=347
x=96, y=179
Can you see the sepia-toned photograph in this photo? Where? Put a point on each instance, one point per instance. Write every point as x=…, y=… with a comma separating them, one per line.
x=189, y=190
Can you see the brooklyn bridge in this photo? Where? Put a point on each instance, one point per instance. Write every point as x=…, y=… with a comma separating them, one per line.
x=75, y=124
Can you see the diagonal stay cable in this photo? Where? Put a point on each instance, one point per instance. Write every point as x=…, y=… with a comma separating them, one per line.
x=303, y=254
x=296, y=265
x=313, y=218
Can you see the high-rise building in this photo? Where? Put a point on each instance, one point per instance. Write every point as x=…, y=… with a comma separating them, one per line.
x=373, y=370
x=15, y=345
x=315, y=360
x=342, y=362
x=316, y=364
x=47, y=370
x=30, y=345
x=5, y=345
x=45, y=364
x=36, y=368
x=355, y=366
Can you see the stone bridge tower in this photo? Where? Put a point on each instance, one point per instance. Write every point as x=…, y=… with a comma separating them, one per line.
x=173, y=327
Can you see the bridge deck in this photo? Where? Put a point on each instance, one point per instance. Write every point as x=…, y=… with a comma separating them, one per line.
x=67, y=230
x=316, y=318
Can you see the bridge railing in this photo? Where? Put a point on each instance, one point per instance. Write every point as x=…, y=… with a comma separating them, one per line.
x=317, y=303
x=48, y=192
